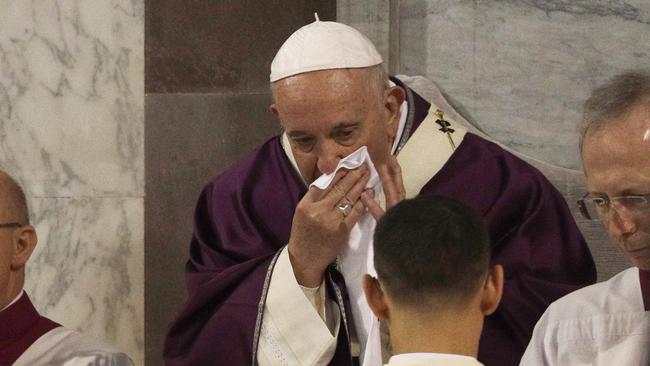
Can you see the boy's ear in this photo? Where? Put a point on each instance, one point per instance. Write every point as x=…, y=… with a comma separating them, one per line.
x=375, y=297
x=492, y=290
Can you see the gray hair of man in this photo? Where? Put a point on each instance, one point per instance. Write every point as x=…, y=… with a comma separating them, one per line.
x=14, y=198
x=613, y=99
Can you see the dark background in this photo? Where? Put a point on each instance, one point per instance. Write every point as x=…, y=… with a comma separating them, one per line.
x=207, y=67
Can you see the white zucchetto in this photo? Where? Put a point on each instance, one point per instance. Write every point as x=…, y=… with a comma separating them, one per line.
x=323, y=46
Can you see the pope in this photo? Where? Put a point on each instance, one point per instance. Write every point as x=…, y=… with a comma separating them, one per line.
x=282, y=239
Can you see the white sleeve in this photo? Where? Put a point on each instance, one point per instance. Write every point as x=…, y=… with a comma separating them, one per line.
x=299, y=325
x=537, y=353
x=65, y=347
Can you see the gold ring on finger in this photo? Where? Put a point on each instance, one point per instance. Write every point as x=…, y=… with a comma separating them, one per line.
x=345, y=208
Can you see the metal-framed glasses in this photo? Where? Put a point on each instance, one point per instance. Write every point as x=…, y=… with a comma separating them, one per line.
x=10, y=224
x=594, y=206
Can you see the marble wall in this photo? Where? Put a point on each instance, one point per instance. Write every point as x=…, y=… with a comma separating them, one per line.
x=522, y=69
x=71, y=132
x=518, y=70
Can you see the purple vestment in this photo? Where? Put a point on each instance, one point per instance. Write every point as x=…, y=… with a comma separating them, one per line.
x=644, y=278
x=244, y=216
x=20, y=326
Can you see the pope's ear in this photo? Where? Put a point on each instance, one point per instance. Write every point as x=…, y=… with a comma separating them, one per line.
x=395, y=96
x=393, y=102
x=24, y=242
x=273, y=109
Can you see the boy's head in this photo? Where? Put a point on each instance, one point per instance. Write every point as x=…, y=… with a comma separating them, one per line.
x=432, y=256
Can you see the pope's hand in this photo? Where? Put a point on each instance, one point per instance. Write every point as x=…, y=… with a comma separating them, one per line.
x=320, y=229
x=393, y=185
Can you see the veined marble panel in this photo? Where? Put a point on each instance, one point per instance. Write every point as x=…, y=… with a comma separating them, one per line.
x=522, y=70
x=369, y=17
x=72, y=133
x=72, y=96
x=86, y=272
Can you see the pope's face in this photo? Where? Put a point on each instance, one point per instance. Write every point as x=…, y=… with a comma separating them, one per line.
x=329, y=114
x=616, y=159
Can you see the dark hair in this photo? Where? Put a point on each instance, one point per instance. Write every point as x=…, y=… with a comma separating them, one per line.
x=14, y=198
x=431, y=250
x=613, y=99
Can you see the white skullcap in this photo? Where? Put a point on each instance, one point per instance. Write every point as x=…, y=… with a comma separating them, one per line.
x=323, y=46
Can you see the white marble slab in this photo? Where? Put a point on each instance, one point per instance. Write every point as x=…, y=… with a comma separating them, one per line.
x=86, y=272
x=72, y=133
x=369, y=17
x=72, y=96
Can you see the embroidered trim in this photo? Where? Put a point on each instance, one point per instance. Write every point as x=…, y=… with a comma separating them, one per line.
x=260, y=306
x=275, y=346
x=341, y=303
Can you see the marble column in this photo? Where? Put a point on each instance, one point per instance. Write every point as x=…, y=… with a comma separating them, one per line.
x=71, y=132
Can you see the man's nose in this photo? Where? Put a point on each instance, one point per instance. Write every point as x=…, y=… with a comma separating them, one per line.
x=620, y=222
x=328, y=158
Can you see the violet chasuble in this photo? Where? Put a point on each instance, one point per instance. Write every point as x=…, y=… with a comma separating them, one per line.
x=243, y=218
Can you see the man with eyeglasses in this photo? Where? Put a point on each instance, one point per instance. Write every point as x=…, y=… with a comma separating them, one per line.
x=26, y=337
x=609, y=323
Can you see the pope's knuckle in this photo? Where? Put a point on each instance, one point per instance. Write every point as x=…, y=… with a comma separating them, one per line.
x=302, y=209
x=312, y=215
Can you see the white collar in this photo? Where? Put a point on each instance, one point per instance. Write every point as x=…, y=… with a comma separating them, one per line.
x=14, y=300
x=425, y=355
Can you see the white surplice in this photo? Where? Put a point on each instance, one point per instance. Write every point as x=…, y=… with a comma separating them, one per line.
x=432, y=359
x=66, y=347
x=602, y=324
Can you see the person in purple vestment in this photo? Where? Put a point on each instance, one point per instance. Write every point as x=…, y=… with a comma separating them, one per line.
x=267, y=275
x=26, y=337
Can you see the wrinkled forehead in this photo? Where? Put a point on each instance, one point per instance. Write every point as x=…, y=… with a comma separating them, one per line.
x=616, y=158
x=630, y=130
x=8, y=201
x=5, y=204
x=325, y=83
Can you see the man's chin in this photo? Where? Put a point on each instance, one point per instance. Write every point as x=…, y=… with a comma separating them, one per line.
x=640, y=258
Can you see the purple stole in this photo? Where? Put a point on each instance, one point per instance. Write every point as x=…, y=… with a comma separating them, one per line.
x=20, y=326
x=243, y=217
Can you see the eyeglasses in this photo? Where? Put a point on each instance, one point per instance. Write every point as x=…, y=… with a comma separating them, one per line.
x=10, y=224
x=594, y=206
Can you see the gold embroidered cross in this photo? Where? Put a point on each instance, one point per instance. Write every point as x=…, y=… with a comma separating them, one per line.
x=444, y=127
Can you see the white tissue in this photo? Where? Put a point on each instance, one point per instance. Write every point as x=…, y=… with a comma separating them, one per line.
x=357, y=260
x=350, y=162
